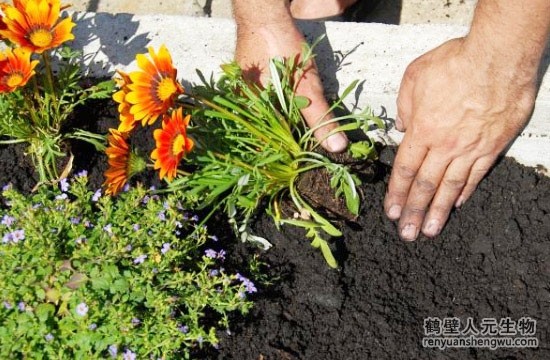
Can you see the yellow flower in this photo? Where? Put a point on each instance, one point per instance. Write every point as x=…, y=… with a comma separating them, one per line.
x=16, y=68
x=34, y=24
x=154, y=89
x=172, y=144
x=123, y=163
x=127, y=120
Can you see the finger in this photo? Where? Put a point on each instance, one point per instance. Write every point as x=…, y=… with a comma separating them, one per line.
x=479, y=170
x=421, y=193
x=449, y=189
x=408, y=160
x=309, y=85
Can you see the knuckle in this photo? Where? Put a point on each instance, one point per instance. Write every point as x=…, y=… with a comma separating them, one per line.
x=414, y=210
x=453, y=183
x=425, y=186
x=406, y=172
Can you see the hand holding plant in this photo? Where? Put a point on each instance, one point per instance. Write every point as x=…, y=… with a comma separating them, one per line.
x=250, y=143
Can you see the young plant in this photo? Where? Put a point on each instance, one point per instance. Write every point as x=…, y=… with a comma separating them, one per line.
x=35, y=100
x=249, y=144
x=86, y=276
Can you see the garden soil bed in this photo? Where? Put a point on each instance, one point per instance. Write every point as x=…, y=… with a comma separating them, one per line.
x=492, y=260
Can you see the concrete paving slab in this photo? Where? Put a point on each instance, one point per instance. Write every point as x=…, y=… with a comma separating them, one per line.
x=376, y=54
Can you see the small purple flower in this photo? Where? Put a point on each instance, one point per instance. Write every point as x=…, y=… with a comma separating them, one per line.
x=61, y=197
x=200, y=340
x=7, y=305
x=249, y=285
x=179, y=224
x=136, y=227
x=96, y=196
x=162, y=216
x=87, y=224
x=113, y=351
x=7, y=220
x=75, y=220
x=92, y=326
x=82, y=309
x=82, y=173
x=128, y=247
x=213, y=272
x=184, y=329
x=136, y=321
x=129, y=355
x=165, y=248
x=64, y=185
x=195, y=218
x=18, y=235
x=212, y=254
x=48, y=337
x=7, y=187
x=145, y=199
x=7, y=238
x=108, y=229
x=80, y=240
x=21, y=306
x=126, y=187
x=140, y=259
x=221, y=255
x=213, y=237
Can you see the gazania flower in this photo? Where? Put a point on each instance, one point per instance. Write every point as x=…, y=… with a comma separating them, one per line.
x=123, y=163
x=34, y=24
x=172, y=144
x=16, y=68
x=154, y=89
x=127, y=120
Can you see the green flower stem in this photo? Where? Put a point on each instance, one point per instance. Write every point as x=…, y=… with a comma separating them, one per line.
x=49, y=77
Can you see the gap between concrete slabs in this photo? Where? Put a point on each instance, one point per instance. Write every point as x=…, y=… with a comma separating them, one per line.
x=375, y=54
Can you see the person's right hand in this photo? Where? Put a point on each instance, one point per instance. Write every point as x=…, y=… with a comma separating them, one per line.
x=256, y=45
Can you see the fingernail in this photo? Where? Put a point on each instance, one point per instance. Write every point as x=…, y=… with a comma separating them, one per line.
x=394, y=212
x=398, y=123
x=432, y=228
x=409, y=232
x=460, y=201
x=336, y=143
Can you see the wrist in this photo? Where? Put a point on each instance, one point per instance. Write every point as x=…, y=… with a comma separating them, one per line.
x=508, y=37
x=255, y=14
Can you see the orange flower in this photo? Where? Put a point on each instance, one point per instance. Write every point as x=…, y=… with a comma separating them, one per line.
x=123, y=163
x=16, y=68
x=127, y=120
x=34, y=24
x=154, y=89
x=172, y=144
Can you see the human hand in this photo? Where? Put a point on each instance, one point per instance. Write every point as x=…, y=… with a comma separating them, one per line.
x=257, y=44
x=459, y=112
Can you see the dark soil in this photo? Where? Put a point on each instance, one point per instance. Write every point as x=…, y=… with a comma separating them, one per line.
x=492, y=260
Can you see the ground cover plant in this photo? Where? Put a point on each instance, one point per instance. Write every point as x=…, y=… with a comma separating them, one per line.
x=88, y=276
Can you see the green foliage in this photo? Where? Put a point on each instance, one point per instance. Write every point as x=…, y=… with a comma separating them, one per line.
x=252, y=144
x=84, y=274
x=35, y=114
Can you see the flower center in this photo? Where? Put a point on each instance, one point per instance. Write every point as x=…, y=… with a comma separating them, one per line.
x=41, y=38
x=166, y=88
x=179, y=145
x=14, y=79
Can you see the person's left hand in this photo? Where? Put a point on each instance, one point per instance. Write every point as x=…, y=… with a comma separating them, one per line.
x=459, y=109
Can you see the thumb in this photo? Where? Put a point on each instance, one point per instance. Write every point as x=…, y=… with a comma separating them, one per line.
x=404, y=100
x=309, y=85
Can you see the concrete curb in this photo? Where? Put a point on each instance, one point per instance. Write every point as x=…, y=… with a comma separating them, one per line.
x=375, y=53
